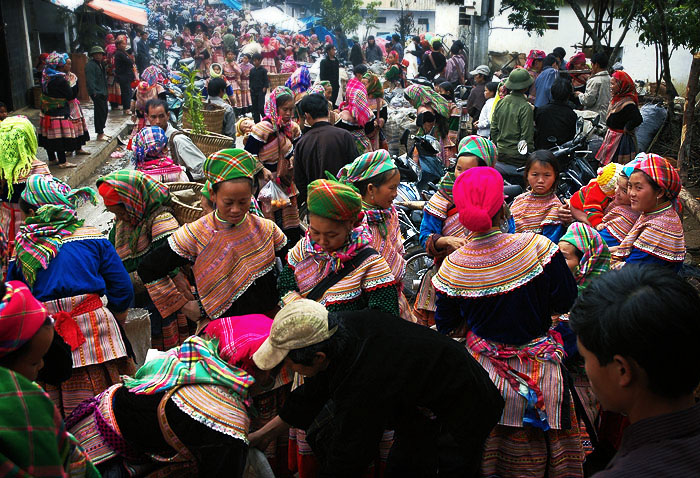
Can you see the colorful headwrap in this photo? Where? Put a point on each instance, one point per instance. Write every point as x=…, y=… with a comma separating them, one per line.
x=240, y=337
x=628, y=168
x=139, y=193
x=53, y=62
x=18, y=145
x=55, y=59
x=41, y=189
x=300, y=80
x=662, y=173
x=374, y=86
x=151, y=75
x=367, y=166
x=334, y=200
x=419, y=95
x=607, y=177
x=271, y=112
x=229, y=164
x=480, y=147
x=356, y=102
x=318, y=88
x=214, y=74
x=21, y=316
x=596, y=256
x=149, y=143
x=627, y=88
x=392, y=58
x=534, y=55
x=41, y=236
x=578, y=59
x=478, y=195
x=109, y=38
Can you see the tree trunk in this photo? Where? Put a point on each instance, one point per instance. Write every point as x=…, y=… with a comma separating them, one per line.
x=597, y=44
x=691, y=92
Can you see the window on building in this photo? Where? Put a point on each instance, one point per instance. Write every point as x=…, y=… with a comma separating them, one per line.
x=551, y=17
x=423, y=21
x=464, y=17
x=381, y=19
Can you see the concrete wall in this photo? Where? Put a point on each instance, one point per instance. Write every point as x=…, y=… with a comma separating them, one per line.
x=392, y=16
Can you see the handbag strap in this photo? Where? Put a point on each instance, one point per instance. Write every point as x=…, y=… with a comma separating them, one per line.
x=334, y=277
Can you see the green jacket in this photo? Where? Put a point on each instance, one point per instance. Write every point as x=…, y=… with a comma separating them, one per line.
x=96, y=78
x=513, y=120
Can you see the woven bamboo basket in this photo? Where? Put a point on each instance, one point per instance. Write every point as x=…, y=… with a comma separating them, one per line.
x=213, y=118
x=36, y=97
x=210, y=142
x=184, y=213
x=278, y=79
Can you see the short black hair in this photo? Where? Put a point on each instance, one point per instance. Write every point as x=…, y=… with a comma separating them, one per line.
x=550, y=60
x=360, y=69
x=333, y=347
x=562, y=89
x=559, y=52
x=3, y=105
x=600, y=59
x=492, y=86
x=328, y=47
x=256, y=56
x=454, y=49
x=216, y=86
x=371, y=37
x=437, y=44
x=247, y=55
x=416, y=38
x=543, y=156
x=315, y=104
x=375, y=181
x=395, y=37
x=156, y=103
x=648, y=314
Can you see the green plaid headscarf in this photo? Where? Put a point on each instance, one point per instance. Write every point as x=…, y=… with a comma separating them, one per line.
x=18, y=145
x=419, y=95
x=34, y=438
x=41, y=236
x=480, y=147
x=366, y=166
x=333, y=200
x=41, y=190
x=374, y=86
x=596, y=256
x=229, y=164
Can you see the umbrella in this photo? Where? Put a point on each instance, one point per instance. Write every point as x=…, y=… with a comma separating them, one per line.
x=193, y=26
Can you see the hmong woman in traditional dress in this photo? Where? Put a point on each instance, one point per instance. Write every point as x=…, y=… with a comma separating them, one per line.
x=232, y=73
x=375, y=93
x=18, y=145
x=145, y=220
x=289, y=65
x=393, y=73
x=435, y=113
x=533, y=66
x=56, y=131
x=537, y=210
x=245, y=66
x=272, y=141
x=356, y=116
x=150, y=148
x=441, y=232
x=578, y=62
x=182, y=414
x=620, y=143
x=76, y=112
x=299, y=82
x=269, y=54
x=70, y=267
x=657, y=236
x=148, y=89
x=336, y=241
x=376, y=177
x=619, y=217
x=500, y=290
x=114, y=93
x=202, y=56
x=232, y=252
x=217, y=48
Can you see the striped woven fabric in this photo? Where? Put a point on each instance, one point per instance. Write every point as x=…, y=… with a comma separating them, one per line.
x=372, y=273
x=216, y=407
x=494, y=264
x=159, y=225
x=532, y=212
x=659, y=233
x=275, y=146
x=227, y=260
x=619, y=219
x=391, y=246
x=442, y=207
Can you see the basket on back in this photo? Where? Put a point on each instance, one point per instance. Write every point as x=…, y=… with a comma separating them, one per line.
x=186, y=213
x=210, y=142
x=278, y=79
x=213, y=116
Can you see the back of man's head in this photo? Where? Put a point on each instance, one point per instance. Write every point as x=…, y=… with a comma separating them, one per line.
x=648, y=315
x=256, y=56
x=360, y=69
x=316, y=105
x=559, y=52
x=562, y=89
x=600, y=59
x=437, y=45
x=395, y=37
x=550, y=60
x=216, y=86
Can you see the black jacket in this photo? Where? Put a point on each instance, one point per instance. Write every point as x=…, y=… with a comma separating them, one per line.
x=258, y=79
x=330, y=71
x=554, y=119
x=123, y=66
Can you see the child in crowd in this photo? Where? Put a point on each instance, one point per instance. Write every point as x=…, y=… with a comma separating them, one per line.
x=245, y=67
x=619, y=216
x=585, y=252
x=589, y=203
x=217, y=92
x=243, y=128
x=447, y=91
x=232, y=73
x=3, y=111
x=484, y=124
x=536, y=210
x=259, y=83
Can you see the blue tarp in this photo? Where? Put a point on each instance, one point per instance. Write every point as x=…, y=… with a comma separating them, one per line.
x=310, y=21
x=233, y=4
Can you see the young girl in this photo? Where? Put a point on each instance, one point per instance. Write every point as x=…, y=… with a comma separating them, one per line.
x=484, y=124
x=215, y=71
x=375, y=93
x=447, y=91
x=536, y=210
x=232, y=72
x=76, y=112
x=245, y=67
x=585, y=253
x=376, y=177
x=619, y=216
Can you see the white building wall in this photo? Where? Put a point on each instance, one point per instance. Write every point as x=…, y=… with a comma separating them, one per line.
x=391, y=16
x=447, y=19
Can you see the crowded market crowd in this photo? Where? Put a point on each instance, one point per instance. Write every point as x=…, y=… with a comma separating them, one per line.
x=551, y=337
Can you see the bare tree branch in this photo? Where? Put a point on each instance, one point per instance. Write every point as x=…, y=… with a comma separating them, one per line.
x=584, y=23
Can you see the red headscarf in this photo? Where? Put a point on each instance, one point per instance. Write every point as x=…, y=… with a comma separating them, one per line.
x=627, y=88
x=21, y=316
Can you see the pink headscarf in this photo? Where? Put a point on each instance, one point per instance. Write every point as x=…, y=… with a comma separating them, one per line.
x=578, y=59
x=534, y=55
x=356, y=102
x=478, y=195
x=240, y=337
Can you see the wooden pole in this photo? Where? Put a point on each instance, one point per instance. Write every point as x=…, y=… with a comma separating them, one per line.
x=691, y=91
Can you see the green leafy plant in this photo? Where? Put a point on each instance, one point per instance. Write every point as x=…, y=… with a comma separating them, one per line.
x=193, y=104
x=343, y=14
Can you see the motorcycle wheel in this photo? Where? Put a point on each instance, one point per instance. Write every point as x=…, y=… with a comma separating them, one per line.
x=417, y=264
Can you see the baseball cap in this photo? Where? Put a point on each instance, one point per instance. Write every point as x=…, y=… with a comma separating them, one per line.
x=299, y=324
x=481, y=70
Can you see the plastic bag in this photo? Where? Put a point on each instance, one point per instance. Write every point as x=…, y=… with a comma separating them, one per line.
x=272, y=197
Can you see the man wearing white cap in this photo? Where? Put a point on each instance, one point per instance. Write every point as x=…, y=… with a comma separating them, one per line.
x=476, y=100
x=365, y=372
